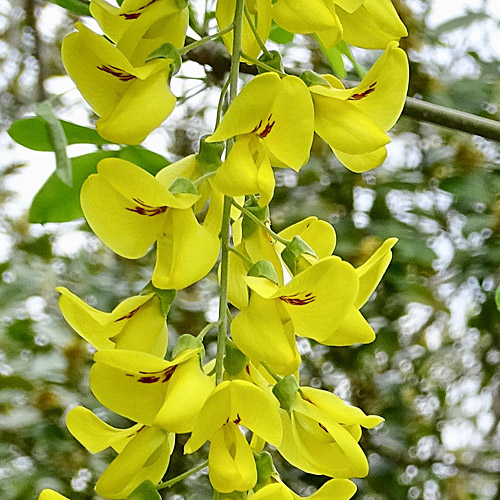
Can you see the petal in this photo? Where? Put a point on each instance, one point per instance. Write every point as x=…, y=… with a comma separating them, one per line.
x=291, y=136
x=231, y=465
x=381, y=25
x=319, y=298
x=371, y=272
x=182, y=406
x=292, y=16
x=237, y=290
x=274, y=491
x=125, y=206
x=353, y=329
x=260, y=246
x=251, y=107
x=186, y=253
x=259, y=326
x=145, y=104
x=51, y=495
x=339, y=489
x=146, y=457
x=344, y=127
x=96, y=435
x=363, y=161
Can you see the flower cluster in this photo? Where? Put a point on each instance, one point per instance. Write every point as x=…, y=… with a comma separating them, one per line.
x=283, y=285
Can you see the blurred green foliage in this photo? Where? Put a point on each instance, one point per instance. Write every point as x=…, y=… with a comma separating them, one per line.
x=433, y=370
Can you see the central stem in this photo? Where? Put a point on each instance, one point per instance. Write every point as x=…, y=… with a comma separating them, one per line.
x=233, y=91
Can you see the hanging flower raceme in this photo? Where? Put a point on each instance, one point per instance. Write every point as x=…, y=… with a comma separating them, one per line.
x=321, y=434
x=138, y=323
x=354, y=121
x=371, y=24
x=143, y=451
x=335, y=489
x=129, y=210
x=165, y=394
x=231, y=463
x=268, y=130
x=130, y=100
x=138, y=27
x=260, y=14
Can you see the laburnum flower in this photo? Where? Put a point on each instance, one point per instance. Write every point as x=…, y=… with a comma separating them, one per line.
x=335, y=489
x=371, y=24
x=129, y=209
x=143, y=452
x=354, y=121
x=322, y=303
x=321, y=434
x=130, y=100
x=231, y=465
x=136, y=324
x=51, y=495
x=165, y=394
x=138, y=27
x=260, y=13
x=268, y=130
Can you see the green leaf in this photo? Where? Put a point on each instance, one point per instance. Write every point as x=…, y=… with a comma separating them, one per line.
x=279, y=35
x=148, y=160
x=459, y=22
x=145, y=491
x=58, y=139
x=79, y=7
x=34, y=133
x=264, y=269
x=497, y=298
x=58, y=202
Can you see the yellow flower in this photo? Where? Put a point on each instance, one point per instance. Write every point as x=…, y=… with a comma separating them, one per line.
x=129, y=210
x=143, y=452
x=138, y=27
x=335, y=489
x=130, y=100
x=260, y=12
x=51, y=495
x=321, y=434
x=136, y=324
x=150, y=390
x=354, y=121
x=371, y=24
x=268, y=132
x=231, y=464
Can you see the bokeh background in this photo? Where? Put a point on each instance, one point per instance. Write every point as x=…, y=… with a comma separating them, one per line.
x=433, y=370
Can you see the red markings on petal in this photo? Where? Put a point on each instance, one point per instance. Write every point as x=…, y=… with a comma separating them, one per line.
x=298, y=299
x=144, y=209
x=134, y=15
x=117, y=72
x=128, y=315
x=267, y=129
x=323, y=427
x=362, y=95
x=153, y=377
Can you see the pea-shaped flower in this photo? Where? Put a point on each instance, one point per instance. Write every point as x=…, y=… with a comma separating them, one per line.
x=129, y=210
x=138, y=27
x=268, y=130
x=143, y=451
x=354, y=121
x=136, y=324
x=231, y=465
x=130, y=100
x=321, y=434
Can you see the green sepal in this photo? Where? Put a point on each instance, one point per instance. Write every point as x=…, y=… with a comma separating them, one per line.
x=145, y=491
x=497, y=298
x=264, y=269
x=181, y=4
x=167, y=51
x=248, y=226
x=187, y=341
x=234, y=359
x=265, y=468
x=57, y=136
x=286, y=392
x=209, y=156
x=293, y=251
x=273, y=59
x=311, y=78
x=166, y=296
x=182, y=185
